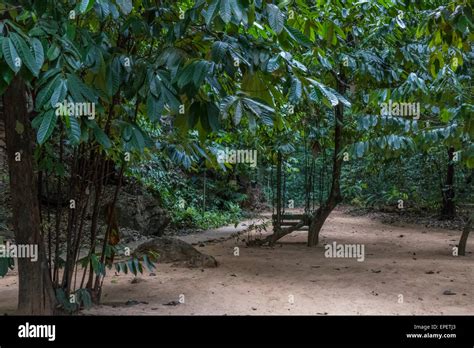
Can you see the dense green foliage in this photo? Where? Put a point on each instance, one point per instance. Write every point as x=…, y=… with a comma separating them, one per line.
x=193, y=200
x=377, y=183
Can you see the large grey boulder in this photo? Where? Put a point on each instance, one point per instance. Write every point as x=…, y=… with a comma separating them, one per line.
x=172, y=250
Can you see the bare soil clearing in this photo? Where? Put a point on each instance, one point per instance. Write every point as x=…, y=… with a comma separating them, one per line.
x=413, y=261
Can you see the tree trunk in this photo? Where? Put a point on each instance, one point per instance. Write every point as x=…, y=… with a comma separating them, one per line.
x=36, y=293
x=278, y=201
x=448, y=210
x=3, y=145
x=335, y=197
x=320, y=216
x=4, y=194
x=465, y=233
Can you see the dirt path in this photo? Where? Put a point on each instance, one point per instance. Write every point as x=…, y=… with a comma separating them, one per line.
x=406, y=271
x=221, y=233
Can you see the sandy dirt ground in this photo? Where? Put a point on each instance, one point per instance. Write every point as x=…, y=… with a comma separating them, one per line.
x=407, y=270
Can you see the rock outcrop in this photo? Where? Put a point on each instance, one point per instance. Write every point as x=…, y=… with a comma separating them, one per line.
x=141, y=213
